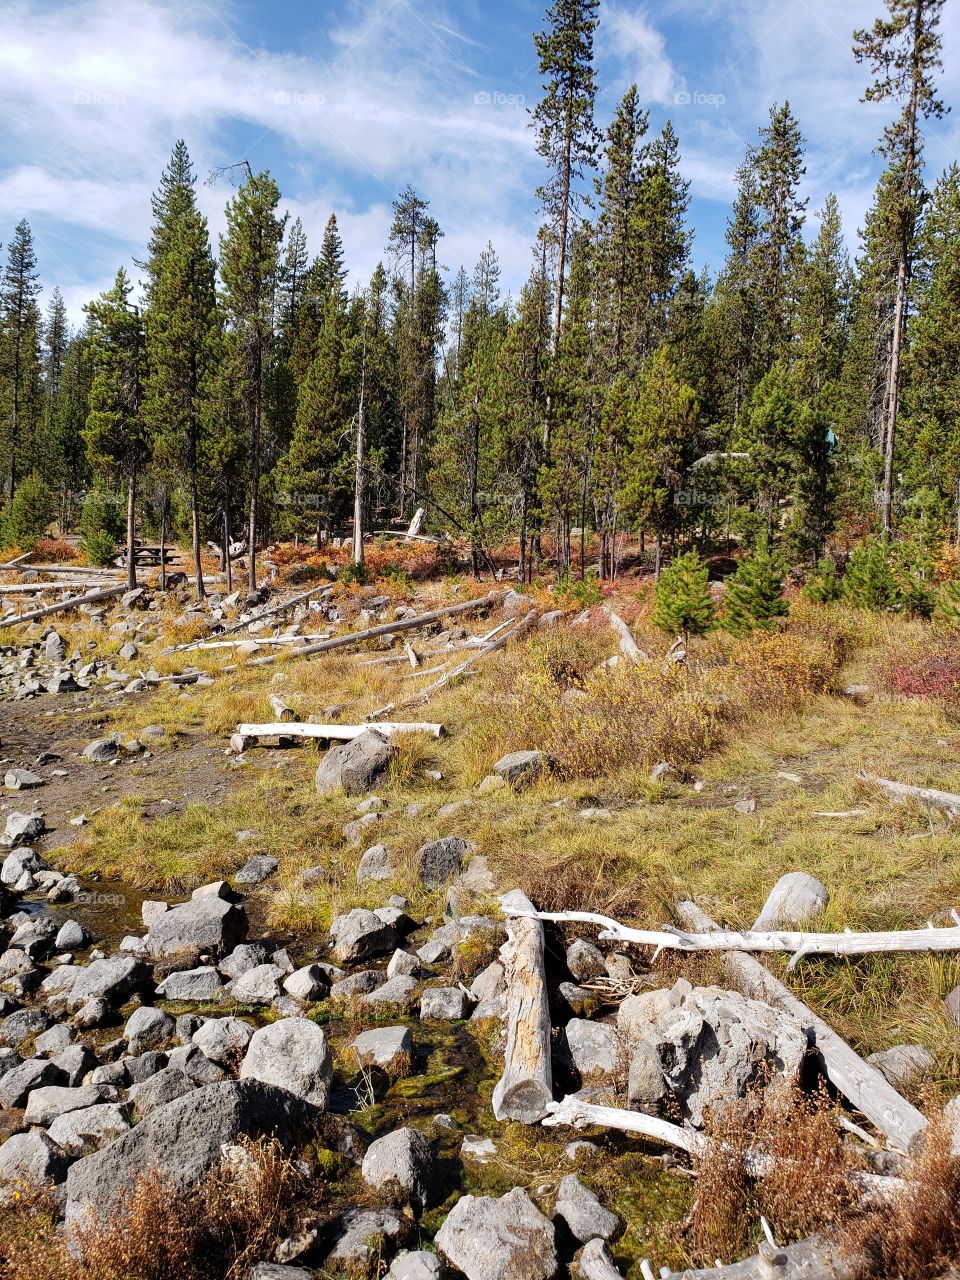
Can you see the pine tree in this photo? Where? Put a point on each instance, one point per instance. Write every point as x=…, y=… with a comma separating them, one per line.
x=754, y=595
x=947, y=611
x=56, y=343
x=825, y=586
x=823, y=307
x=330, y=273
x=249, y=268
x=683, y=603
x=870, y=582
x=778, y=162
x=116, y=434
x=663, y=201
x=903, y=52
x=769, y=433
x=567, y=137
x=19, y=353
x=28, y=515
x=183, y=335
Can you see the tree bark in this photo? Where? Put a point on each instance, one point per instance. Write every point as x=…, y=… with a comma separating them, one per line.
x=525, y=1089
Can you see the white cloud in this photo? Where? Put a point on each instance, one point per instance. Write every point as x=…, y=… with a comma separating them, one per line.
x=627, y=37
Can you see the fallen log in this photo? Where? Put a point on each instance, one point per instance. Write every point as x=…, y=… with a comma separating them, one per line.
x=94, y=597
x=584, y=1115
x=810, y=1259
x=35, y=588
x=387, y=628
x=280, y=709
x=266, y=613
x=799, y=943
x=466, y=667
x=902, y=793
x=12, y=564
x=861, y=1084
x=339, y=732
x=269, y=641
x=525, y=1090
x=628, y=646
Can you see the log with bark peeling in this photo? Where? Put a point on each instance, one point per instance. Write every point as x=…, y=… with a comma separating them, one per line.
x=92, y=597
x=798, y=943
x=927, y=797
x=525, y=1090
x=859, y=1082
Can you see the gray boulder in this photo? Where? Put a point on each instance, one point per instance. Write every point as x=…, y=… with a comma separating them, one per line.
x=385, y=1047
x=362, y=1237
x=50, y=1101
x=223, y=1040
x=392, y=996
x=79, y=1132
x=417, y=1265
x=491, y=1239
x=355, y=767
x=360, y=934
x=113, y=981
x=160, y=1089
x=903, y=1064
x=278, y=1271
x=191, y=985
x=292, y=1054
x=102, y=750
x=71, y=936
x=592, y=1048
x=17, y=1085
x=521, y=768
x=183, y=1140
x=203, y=924
x=247, y=956
x=443, y=1004
x=795, y=898
x=18, y=1027
x=441, y=860
x=584, y=960
x=21, y=828
x=31, y=1158
x=375, y=865
x=148, y=1028
x=307, y=984
x=259, y=868
x=583, y=1213
x=402, y=1160
x=260, y=985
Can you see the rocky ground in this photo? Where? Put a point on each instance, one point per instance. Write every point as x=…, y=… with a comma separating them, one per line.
x=144, y=1032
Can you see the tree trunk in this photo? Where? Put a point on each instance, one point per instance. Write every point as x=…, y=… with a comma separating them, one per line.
x=359, y=472
x=163, y=544
x=131, y=531
x=195, y=529
x=254, y=471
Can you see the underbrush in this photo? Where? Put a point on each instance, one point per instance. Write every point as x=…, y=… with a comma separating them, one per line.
x=928, y=668
x=237, y=1216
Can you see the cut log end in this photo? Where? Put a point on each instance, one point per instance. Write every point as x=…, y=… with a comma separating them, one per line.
x=526, y=1102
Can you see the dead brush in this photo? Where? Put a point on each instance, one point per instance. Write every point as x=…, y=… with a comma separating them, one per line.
x=917, y=1235
x=806, y=1185
x=237, y=1215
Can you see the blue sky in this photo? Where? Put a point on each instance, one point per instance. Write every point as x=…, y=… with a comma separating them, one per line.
x=347, y=102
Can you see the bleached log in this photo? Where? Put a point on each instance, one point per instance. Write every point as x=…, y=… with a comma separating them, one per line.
x=525, y=1090
x=12, y=564
x=269, y=641
x=466, y=667
x=388, y=628
x=339, y=732
x=280, y=709
x=860, y=1083
x=799, y=943
x=810, y=1259
x=87, y=570
x=841, y=813
x=628, y=646
x=902, y=793
x=93, y=597
x=585, y=1115
x=35, y=588
x=411, y=653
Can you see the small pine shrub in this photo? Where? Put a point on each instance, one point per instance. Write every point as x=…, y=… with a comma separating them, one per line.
x=101, y=527
x=586, y=591
x=754, y=597
x=354, y=574
x=825, y=586
x=869, y=582
x=27, y=517
x=683, y=603
x=947, y=610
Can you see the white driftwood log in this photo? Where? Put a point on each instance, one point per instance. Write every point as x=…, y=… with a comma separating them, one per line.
x=388, y=628
x=466, y=667
x=902, y=793
x=628, y=646
x=799, y=943
x=859, y=1082
x=584, y=1115
x=280, y=708
x=37, y=588
x=339, y=732
x=92, y=597
x=525, y=1090
x=811, y=1259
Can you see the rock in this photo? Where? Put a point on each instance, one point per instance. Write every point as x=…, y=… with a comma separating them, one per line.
x=745, y=807
x=491, y=1239
x=307, y=984
x=17, y=1084
x=440, y=860
x=514, y=603
x=488, y=984
x=247, y=956
x=258, y=869
x=19, y=862
x=360, y=934
x=584, y=960
x=385, y=1047
x=202, y=924
x=223, y=1040
x=160, y=1089
x=362, y=1238
x=492, y=782
x=54, y=647
x=375, y=865
x=102, y=750
x=591, y=1047
x=312, y=876
x=579, y=1149
x=595, y=1262
x=143, y=1066
x=18, y=1027
x=277, y=1271
x=112, y=980
x=59, y=1037
x=418, y=1265
x=292, y=1054
x=358, y=984
x=75, y=1063
x=183, y=1140
x=951, y=1006
x=583, y=1213
x=521, y=769
x=31, y=1158
x=150, y=910
x=148, y=1028
x=403, y=964
x=481, y=1150
x=355, y=767
x=443, y=1004
x=71, y=936
x=192, y=985
x=402, y=1159
x=903, y=1063
x=260, y=985
x=394, y=995
x=354, y=831
x=78, y=1132
x=796, y=898
x=646, y=1085
x=92, y=1013
x=21, y=780
x=48, y=1102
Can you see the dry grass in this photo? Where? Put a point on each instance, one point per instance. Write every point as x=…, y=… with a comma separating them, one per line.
x=237, y=1216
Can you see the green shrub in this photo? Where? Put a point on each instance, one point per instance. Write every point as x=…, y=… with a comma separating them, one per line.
x=825, y=586
x=754, y=597
x=683, y=604
x=101, y=526
x=28, y=515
